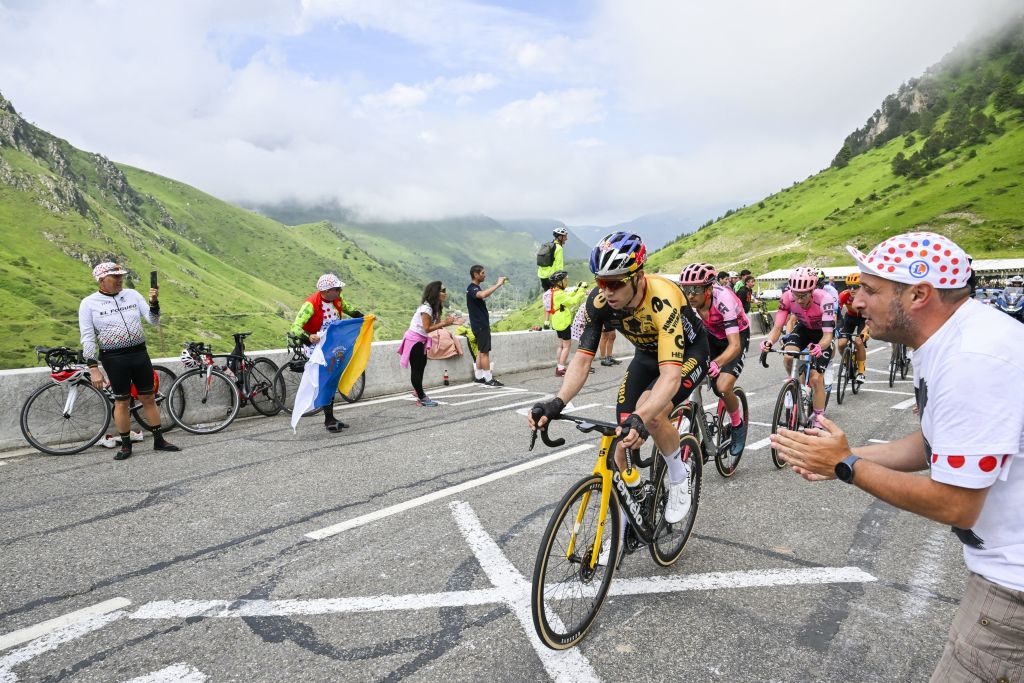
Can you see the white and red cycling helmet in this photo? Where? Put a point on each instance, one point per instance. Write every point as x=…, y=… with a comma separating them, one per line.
x=803, y=279
x=698, y=275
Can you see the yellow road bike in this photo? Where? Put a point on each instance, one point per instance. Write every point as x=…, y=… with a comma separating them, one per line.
x=584, y=539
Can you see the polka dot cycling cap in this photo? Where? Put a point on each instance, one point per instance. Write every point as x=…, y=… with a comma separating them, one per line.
x=107, y=268
x=915, y=257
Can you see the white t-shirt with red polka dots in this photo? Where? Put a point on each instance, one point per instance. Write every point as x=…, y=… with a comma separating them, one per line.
x=968, y=377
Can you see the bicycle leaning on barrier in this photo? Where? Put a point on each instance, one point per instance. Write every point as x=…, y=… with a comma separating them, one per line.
x=578, y=556
x=67, y=414
x=207, y=397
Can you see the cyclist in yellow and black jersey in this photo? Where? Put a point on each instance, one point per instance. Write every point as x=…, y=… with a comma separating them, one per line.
x=670, y=359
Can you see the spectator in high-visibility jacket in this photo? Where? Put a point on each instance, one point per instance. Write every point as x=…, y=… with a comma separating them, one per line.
x=561, y=236
x=561, y=305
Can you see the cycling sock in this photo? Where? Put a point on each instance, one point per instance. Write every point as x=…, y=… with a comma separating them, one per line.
x=158, y=437
x=126, y=440
x=860, y=367
x=736, y=417
x=479, y=374
x=487, y=375
x=677, y=470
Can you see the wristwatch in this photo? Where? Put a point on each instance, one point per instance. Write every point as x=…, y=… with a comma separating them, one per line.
x=844, y=469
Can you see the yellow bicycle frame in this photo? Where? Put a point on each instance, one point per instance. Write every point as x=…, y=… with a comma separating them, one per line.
x=601, y=470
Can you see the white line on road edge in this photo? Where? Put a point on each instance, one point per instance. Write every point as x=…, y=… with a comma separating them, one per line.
x=569, y=409
x=399, y=397
x=41, y=629
x=52, y=640
x=501, y=395
x=175, y=673
x=760, y=424
x=16, y=453
x=888, y=391
x=877, y=441
x=903, y=405
x=520, y=403
x=748, y=579
x=758, y=445
x=443, y=493
x=883, y=381
x=880, y=348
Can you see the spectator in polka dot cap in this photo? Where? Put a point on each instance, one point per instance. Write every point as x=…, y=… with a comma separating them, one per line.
x=968, y=372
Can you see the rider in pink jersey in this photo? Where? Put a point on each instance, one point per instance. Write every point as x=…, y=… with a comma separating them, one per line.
x=726, y=314
x=815, y=312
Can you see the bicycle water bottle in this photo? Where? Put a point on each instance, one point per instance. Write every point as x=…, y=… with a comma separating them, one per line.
x=446, y=382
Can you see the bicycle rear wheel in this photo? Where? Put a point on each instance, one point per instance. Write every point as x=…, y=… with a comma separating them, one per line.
x=893, y=364
x=725, y=462
x=356, y=392
x=203, y=403
x=567, y=592
x=261, y=386
x=669, y=539
x=164, y=380
x=844, y=374
x=285, y=384
x=786, y=415
x=48, y=428
x=904, y=362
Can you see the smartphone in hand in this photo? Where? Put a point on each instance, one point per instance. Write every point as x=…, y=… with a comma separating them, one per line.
x=152, y=279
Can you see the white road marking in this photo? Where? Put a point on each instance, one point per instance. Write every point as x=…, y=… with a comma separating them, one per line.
x=884, y=381
x=881, y=372
x=531, y=401
x=880, y=348
x=888, y=391
x=502, y=394
x=335, y=529
x=925, y=575
x=568, y=409
x=760, y=424
x=16, y=453
x=399, y=397
x=745, y=579
x=878, y=441
x=41, y=629
x=758, y=445
x=175, y=673
x=903, y=405
x=53, y=640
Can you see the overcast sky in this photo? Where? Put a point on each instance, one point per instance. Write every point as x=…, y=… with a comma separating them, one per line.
x=588, y=112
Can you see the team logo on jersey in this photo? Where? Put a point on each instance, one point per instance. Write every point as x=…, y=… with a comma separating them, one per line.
x=918, y=269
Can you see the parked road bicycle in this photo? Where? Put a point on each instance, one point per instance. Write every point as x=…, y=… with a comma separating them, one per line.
x=794, y=408
x=763, y=317
x=570, y=580
x=847, y=367
x=206, y=398
x=712, y=429
x=286, y=379
x=899, y=362
x=67, y=414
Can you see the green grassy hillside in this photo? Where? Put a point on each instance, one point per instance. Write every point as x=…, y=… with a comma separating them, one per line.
x=222, y=269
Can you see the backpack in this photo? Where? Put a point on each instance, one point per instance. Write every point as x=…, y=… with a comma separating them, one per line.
x=546, y=254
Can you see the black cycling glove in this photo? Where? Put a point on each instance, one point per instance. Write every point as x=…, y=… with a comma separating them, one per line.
x=355, y=314
x=635, y=422
x=549, y=409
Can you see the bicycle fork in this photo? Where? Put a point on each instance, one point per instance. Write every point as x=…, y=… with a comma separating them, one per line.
x=69, y=404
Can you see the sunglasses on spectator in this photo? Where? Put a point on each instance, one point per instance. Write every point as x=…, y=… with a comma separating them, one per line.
x=612, y=285
x=443, y=290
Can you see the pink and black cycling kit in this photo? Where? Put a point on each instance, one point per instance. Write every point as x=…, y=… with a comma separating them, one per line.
x=726, y=315
x=819, y=315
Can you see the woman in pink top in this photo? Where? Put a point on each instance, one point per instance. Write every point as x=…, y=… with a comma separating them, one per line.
x=416, y=341
x=815, y=313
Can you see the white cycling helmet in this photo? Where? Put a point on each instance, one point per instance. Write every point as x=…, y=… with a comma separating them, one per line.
x=560, y=231
x=329, y=281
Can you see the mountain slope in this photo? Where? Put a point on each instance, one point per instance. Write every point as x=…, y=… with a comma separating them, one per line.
x=222, y=269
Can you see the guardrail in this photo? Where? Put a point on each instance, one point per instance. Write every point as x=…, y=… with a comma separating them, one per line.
x=511, y=352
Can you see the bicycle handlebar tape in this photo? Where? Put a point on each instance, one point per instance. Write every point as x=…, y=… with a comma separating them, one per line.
x=764, y=358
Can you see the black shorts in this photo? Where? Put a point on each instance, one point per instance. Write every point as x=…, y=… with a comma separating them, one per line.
x=718, y=346
x=483, y=339
x=802, y=337
x=607, y=327
x=125, y=369
x=566, y=334
x=642, y=373
x=853, y=324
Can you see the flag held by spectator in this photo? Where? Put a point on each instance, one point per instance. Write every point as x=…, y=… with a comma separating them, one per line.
x=335, y=364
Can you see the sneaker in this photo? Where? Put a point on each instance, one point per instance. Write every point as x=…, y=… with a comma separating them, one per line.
x=480, y=380
x=123, y=453
x=109, y=441
x=607, y=362
x=136, y=436
x=493, y=383
x=426, y=402
x=859, y=379
x=739, y=440
x=559, y=372
x=615, y=361
x=678, y=504
x=165, y=445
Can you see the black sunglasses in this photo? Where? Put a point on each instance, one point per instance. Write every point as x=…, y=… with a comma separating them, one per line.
x=443, y=290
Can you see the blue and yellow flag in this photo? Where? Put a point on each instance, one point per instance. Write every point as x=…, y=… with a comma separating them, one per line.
x=335, y=364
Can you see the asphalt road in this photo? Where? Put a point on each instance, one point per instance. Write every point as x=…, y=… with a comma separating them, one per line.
x=387, y=552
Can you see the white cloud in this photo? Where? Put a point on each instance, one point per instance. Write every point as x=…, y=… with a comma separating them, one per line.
x=556, y=110
x=399, y=96
x=471, y=83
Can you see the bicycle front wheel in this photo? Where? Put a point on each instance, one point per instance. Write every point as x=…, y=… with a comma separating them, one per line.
x=904, y=362
x=285, y=385
x=164, y=380
x=61, y=419
x=669, y=539
x=844, y=374
x=725, y=462
x=568, y=592
x=261, y=386
x=356, y=392
x=786, y=415
x=893, y=364
x=203, y=401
